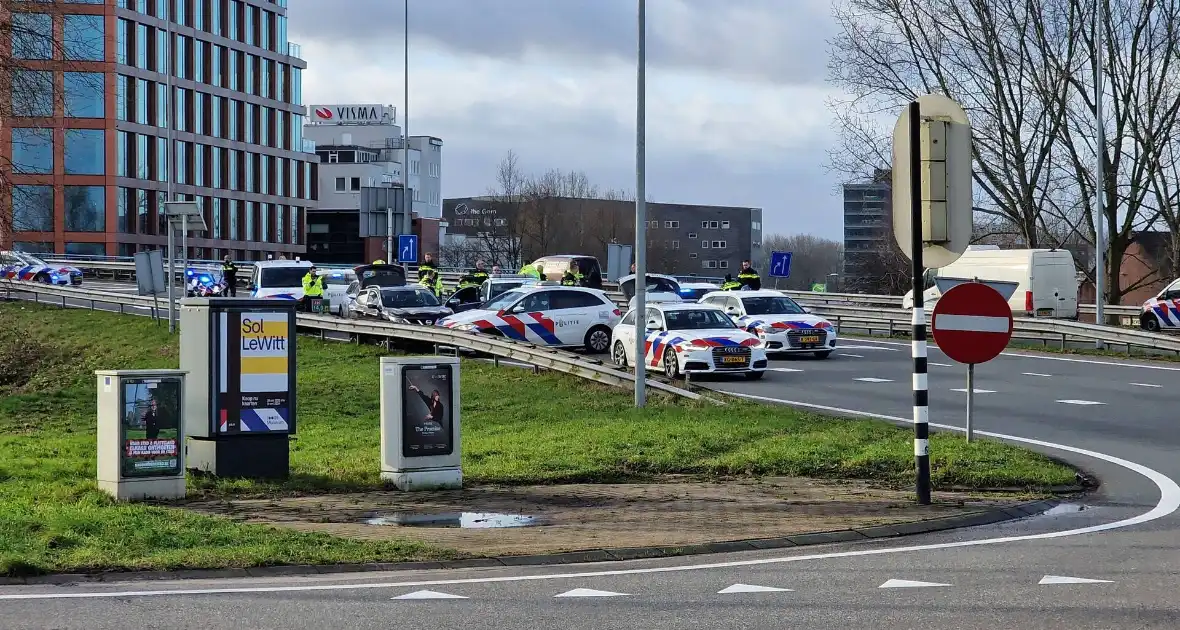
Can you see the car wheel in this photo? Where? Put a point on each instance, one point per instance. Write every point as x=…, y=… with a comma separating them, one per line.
x=753, y=376
x=823, y=355
x=619, y=354
x=671, y=365
x=1149, y=322
x=598, y=340
x=42, y=277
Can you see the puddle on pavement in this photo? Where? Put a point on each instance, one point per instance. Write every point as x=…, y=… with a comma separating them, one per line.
x=1065, y=508
x=462, y=520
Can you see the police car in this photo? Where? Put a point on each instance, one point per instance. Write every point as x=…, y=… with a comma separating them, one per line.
x=1162, y=312
x=283, y=280
x=778, y=320
x=546, y=314
x=29, y=268
x=688, y=338
x=694, y=291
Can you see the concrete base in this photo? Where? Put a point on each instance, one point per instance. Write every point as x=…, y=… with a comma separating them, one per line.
x=134, y=489
x=436, y=479
x=260, y=456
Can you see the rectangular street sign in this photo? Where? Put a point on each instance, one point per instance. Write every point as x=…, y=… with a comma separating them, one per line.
x=780, y=264
x=407, y=248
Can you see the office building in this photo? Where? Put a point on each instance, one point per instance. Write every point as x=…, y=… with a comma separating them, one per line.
x=362, y=181
x=868, y=229
x=683, y=239
x=95, y=153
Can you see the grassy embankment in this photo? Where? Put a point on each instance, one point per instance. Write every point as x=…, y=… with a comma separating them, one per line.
x=518, y=428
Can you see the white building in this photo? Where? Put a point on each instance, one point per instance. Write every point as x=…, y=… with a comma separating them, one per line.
x=361, y=146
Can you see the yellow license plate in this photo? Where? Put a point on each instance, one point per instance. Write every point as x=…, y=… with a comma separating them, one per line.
x=733, y=359
x=811, y=339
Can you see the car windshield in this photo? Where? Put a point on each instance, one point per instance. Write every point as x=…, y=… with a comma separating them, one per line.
x=697, y=319
x=408, y=298
x=338, y=278
x=772, y=306
x=282, y=277
x=503, y=301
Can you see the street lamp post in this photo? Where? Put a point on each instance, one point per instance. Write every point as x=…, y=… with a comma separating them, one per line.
x=641, y=210
x=1100, y=166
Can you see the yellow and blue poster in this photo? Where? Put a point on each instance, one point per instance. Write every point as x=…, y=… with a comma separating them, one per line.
x=256, y=379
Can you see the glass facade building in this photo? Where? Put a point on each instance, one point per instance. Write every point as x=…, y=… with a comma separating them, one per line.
x=117, y=104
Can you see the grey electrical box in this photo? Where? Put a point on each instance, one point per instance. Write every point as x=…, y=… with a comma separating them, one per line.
x=141, y=433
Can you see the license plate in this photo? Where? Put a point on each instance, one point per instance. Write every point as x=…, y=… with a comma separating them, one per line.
x=1044, y=312
x=733, y=359
x=810, y=339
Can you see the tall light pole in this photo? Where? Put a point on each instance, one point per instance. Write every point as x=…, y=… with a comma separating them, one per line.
x=168, y=168
x=1100, y=166
x=407, y=200
x=641, y=209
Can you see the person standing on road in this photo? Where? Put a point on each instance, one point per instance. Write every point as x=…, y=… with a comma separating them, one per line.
x=749, y=277
x=730, y=284
x=229, y=273
x=573, y=277
x=427, y=266
x=496, y=270
x=313, y=287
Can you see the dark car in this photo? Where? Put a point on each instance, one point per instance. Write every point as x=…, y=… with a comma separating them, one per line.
x=407, y=304
x=372, y=276
x=556, y=266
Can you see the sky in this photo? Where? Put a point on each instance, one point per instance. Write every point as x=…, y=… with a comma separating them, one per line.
x=736, y=92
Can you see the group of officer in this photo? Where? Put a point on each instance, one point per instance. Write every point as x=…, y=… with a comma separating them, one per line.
x=748, y=279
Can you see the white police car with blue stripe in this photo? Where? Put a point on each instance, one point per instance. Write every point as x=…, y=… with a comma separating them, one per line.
x=688, y=338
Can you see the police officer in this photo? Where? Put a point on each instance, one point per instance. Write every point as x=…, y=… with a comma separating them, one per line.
x=749, y=277
x=379, y=262
x=496, y=270
x=573, y=277
x=431, y=282
x=480, y=274
x=426, y=267
x=730, y=284
x=533, y=271
x=229, y=273
x=313, y=287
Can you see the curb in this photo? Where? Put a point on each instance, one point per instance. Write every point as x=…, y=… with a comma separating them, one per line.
x=971, y=519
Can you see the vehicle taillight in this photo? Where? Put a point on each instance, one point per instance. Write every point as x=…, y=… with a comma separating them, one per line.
x=618, y=313
x=1028, y=301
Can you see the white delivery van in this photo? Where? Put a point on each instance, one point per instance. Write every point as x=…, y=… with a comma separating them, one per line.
x=1046, y=279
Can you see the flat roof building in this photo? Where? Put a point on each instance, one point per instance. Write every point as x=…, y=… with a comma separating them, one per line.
x=92, y=151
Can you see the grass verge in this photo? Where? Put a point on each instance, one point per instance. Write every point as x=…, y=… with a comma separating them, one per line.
x=518, y=428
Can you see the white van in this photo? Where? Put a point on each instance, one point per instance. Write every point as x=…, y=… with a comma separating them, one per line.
x=283, y=280
x=1046, y=279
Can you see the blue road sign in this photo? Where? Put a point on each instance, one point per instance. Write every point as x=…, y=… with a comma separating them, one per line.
x=780, y=264
x=407, y=248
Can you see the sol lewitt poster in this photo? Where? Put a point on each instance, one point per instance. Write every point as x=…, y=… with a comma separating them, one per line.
x=150, y=421
x=256, y=384
x=427, y=414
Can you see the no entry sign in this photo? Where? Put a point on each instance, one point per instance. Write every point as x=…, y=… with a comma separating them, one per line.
x=972, y=323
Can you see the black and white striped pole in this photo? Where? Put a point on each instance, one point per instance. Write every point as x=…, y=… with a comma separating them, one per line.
x=918, y=343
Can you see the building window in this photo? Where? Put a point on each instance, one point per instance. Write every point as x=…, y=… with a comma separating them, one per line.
x=83, y=37
x=32, y=208
x=724, y=264
x=85, y=95
x=32, y=150
x=86, y=208
x=123, y=198
x=704, y=244
x=671, y=224
x=294, y=225
x=692, y=235
x=719, y=244
x=355, y=185
x=120, y=97
x=712, y=225
x=675, y=244
x=704, y=225
x=141, y=212
x=32, y=36
x=32, y=247
x=86, y=249
x=692, y=255
x=725, y=225
x=32, y=93
x=709, y=264
x=756, y=225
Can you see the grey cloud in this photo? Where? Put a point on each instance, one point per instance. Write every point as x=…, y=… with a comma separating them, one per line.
x=780, y=41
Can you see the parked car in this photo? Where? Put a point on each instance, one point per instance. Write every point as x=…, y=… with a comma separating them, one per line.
x=544, y=314
x=29, y=268
x=688, y=338
x=407, y=304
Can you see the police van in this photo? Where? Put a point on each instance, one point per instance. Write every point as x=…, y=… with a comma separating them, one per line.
x=283, y=280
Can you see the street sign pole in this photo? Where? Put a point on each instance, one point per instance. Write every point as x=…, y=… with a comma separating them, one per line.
x=918, y=345
x=641, y=208
x=970, y=397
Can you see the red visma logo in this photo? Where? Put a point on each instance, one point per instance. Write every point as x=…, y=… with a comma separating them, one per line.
x=323, y=112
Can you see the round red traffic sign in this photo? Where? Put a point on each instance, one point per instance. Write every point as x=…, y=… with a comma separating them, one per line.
x=972, y=323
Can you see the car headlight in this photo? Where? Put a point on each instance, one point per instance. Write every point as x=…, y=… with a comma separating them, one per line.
x=397, y=320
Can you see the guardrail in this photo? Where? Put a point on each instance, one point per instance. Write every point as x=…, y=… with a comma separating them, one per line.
x=549, y=358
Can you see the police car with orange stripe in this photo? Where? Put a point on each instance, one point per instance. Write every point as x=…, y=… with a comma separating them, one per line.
x=777, y=320
x=689, y=338
x=546, y=314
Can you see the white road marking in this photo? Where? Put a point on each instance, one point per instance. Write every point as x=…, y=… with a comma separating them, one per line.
x=846, y=354
x=589, y=592
x=977, y=391
x=1146, y=385
x=970, y=323
x=1070, y=401
x=428, y=595
x=1060, y=579
x=1043, y=357
x=1036, y=374
x=909, y=584
x=781, y=369
x=870, y=379
x=939, y=364
x=1169, y=502
x=842, y=346
x=751, y=588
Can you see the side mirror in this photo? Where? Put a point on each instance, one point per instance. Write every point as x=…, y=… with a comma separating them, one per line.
x=453, y=302
x=653, y=324
x=806, y=309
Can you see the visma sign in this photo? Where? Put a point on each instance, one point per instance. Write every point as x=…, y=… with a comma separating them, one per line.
x=362, y=114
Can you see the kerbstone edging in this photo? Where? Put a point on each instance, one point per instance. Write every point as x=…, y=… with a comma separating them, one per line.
x=971, y=519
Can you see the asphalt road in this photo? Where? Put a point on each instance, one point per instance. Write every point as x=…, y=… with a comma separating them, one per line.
x=1122, y=409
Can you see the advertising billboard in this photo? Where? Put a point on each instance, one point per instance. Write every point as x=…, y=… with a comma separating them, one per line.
x=427, y=411
x=352, y=114
x=255, y=373
x=149, y=420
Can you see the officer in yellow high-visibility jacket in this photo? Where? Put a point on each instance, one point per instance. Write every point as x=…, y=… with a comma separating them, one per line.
x=432, y=282
x=573, y=277
x=313, y=287
x=749, y=277
x=730, y=284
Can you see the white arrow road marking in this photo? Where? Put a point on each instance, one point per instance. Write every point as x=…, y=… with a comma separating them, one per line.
x=909, y=584
x=1037, y=374
x=1061, y=579
x=1080, y=402
x=751, y=588
x=978, y=391
x=428, y=595
x=588, y=592
x=869, y=379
